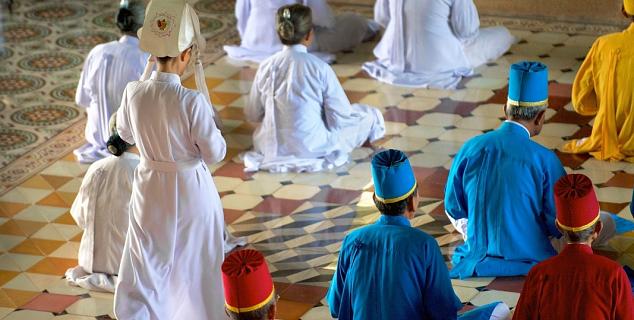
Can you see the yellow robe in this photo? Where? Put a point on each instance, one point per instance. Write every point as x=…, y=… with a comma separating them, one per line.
x=604, y=86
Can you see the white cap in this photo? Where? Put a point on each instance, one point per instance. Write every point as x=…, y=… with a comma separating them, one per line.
x=170, y=27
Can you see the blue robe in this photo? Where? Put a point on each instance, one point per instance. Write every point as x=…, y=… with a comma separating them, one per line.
x=389, y=270
x=502, y=182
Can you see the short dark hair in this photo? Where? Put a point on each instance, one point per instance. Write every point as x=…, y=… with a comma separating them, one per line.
x=258, y=314
x=163, y=60
x=579, y=236
x=396, y=208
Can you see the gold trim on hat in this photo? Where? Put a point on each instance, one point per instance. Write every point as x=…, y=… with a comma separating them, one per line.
x=253, y=307
x=397, y=199
x=526, y=104
x=583, y=227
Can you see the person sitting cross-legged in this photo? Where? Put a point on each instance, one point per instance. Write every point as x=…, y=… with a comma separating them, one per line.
x=603, y=88
x=391, y=270
x=576, y=284
x=249, y=290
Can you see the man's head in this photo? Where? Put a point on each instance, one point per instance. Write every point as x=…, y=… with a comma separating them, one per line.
x=528, y=95
x=115, y=144
x=628, y=9
x=578, y=210
x=130, y=16
x=395, y=187
x=249, y=291
x=294, y=24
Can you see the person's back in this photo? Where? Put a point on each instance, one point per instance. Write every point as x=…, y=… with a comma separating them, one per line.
x=106, y=72
x=431, y=43
x=500, y=186
x=295, y=80
x=603, y=87
x=576, y=284
x=396, y=260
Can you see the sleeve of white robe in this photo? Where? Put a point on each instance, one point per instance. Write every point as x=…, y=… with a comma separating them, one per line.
x=82, y=94
x=336, y=104
x=123, y=118
x=382, y=12
x=243, y=9
x=465, y=22
x=204, y=132
x=254, y=109
x=322, y=15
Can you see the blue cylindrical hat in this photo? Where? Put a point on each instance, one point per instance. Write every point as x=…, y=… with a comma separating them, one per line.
x=393, y=176
x=528, y=84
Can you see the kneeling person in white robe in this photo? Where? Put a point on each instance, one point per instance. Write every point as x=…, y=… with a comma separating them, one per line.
x=333, y=33
x=101, y=209
x=431, y=43
x=107, y=70
x=307, y=122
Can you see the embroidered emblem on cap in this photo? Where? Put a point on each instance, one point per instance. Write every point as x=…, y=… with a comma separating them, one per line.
x=163, y=24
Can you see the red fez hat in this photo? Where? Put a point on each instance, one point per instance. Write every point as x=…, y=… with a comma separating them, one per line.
x=576, y=202
x=247, y=282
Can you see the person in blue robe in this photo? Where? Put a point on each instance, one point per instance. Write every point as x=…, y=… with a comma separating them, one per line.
x=390, y=270
x=499, y=192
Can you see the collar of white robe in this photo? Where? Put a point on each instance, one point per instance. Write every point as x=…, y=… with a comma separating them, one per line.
x=171, y=27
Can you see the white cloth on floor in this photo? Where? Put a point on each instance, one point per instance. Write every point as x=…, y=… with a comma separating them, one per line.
x=174, y=249
x=432, y=43
x=259, y=39
x=107, y=70
x=307, y=122
x=101, y=210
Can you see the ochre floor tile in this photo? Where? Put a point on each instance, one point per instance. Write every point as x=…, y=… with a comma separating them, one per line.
x=291, y=310
x=37, y=182
x=53, y=266
x=6, y=276
x=65, y=218
x=54, y=199
x=56, y=181
x=18, y=297
x=9, y=209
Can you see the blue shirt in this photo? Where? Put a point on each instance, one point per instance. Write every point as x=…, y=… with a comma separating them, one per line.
x=389, y=270
x=502, y=182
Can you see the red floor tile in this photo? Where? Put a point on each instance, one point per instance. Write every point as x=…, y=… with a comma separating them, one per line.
x=334, y=195
x=511, y=284
x=560, y=89
x=422, y=173
x=500, y=96
x=612, y=207
x=48, y=302
x=232, y=215
x=280, y=206
x=584, y=131
x=404, y=116
x=558, y=103
x=574, y=161
x=622, y=180
x=565, y=116
x=304, y=293
x=455, y=107
x=232, y=169
x=355, y=96
x=291, y=310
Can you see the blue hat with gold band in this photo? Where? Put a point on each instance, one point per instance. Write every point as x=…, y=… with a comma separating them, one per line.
x=393, y=176
x=528, y=84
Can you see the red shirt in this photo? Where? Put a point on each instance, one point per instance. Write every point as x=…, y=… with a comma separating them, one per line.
x=576, y=284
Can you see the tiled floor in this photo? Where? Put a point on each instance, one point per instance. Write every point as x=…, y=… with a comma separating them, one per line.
x=298, y=220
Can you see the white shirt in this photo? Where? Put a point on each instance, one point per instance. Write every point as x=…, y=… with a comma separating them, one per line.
x=107, y=70
x=305, y=115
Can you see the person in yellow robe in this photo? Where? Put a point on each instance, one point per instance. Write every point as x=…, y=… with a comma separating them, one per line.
x=604, y=86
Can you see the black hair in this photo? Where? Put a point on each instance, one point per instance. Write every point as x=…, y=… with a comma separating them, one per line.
x=293, y=23
x=116, y=145
x=396, y=208
x=130, y=16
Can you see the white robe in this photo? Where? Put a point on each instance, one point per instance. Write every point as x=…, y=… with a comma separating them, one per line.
x=256, y=25
x=107, y=70
x=307, y=122
x=432, y=43
x=174, y=249
x=101, y=209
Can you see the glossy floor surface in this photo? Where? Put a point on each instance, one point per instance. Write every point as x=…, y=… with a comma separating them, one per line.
x=299, y=220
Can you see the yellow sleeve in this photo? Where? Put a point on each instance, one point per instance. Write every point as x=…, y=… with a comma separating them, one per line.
x=584, y=97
